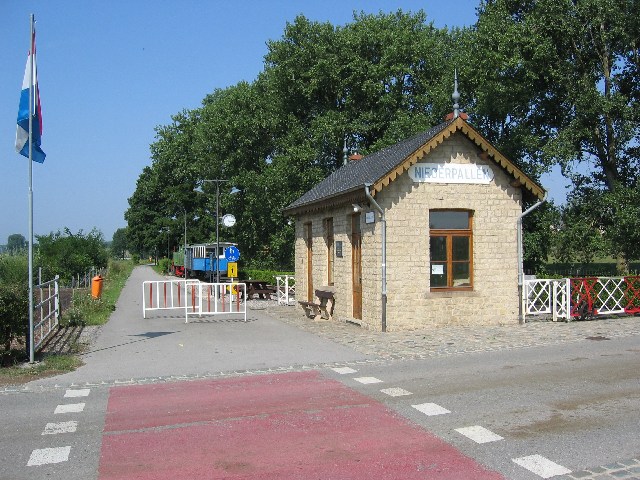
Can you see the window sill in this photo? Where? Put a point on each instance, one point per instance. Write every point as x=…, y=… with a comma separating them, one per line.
x=438, y=293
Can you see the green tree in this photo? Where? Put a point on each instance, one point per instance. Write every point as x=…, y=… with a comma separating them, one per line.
x=555, y=82
x=374, y=81
x=16, y=242
x=539, y=231
x=67, y=254
x=119, y=243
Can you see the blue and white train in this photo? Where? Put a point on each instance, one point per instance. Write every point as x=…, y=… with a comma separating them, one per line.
x=199, y=261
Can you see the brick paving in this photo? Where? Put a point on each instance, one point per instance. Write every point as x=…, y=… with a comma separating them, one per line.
x=625, y=470
x=457, y=339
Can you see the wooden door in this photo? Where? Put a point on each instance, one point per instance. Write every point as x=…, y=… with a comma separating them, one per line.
x=308, y=234
x=356, y=266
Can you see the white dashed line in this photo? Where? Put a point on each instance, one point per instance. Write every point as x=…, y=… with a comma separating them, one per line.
x=541, y=466
x=367, y=380
x=396, y=392
x=344, y=370
x=431, y=409
x=479, y=434
x=77, y=393
x=70, y=408
x=45, y=456
x=62, y=427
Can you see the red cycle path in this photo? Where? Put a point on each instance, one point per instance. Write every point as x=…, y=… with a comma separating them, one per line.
x=281, y=426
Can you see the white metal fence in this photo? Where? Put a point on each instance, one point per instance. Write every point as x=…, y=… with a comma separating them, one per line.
x=84, y=280
x=286, y=289
x=46, y=312
x=581, y=297
x=195, y=298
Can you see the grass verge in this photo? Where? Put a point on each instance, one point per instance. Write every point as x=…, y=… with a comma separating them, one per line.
x=48, y=366
x=86, y=310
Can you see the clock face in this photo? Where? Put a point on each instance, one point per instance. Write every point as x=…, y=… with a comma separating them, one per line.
x=228, y=220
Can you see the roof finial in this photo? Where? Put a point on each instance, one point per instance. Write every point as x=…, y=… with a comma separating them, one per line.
x=456, y=96
x=345, y=151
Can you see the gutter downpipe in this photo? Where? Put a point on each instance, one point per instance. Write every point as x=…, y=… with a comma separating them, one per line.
x=384, y=254
x=521, y=318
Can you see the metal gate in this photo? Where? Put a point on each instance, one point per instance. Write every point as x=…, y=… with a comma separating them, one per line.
x=194, y=297
x=582, y=297
x=286, y=289
x=46, y=312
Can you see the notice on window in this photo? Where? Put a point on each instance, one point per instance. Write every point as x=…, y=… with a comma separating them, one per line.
x=437, y=269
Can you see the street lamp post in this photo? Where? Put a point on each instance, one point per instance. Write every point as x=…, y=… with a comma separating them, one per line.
x=217, y=256
x=184, y=249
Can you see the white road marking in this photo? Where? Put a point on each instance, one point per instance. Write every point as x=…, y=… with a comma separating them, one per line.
x=84, y=392
x=70, y=408
x=396, y=392
x=45, y=456
x=344, y=370
x=367, y=380
x=479, y=434
x=62, y=427
x=541, y=466
x=431, y=409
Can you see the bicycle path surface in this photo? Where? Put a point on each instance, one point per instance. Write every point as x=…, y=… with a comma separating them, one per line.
x=163, y=345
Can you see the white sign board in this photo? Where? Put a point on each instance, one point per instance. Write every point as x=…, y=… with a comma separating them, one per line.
x=451, y=173
x=370, y=217
x=437, y=269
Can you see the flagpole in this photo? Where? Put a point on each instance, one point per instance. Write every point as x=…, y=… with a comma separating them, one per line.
x=31, y=111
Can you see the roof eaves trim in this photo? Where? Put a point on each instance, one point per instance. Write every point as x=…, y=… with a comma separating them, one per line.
x=414, y=158
x=501, y=160
x=321, y=203
x=459, y=125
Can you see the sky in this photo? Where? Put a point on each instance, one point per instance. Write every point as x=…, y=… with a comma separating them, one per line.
x=109, y=72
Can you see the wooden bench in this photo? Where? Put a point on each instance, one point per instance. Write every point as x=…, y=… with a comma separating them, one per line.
x=323, y=307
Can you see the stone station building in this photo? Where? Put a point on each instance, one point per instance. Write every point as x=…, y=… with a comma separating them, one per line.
x=421, y=233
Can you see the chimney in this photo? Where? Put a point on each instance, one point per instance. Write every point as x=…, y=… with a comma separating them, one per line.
x=451, y=116
x=355, y=157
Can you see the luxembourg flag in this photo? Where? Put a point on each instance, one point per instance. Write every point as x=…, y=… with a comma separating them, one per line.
x=22, y=132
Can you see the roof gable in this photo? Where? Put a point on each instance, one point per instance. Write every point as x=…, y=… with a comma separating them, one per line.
x=381, y=168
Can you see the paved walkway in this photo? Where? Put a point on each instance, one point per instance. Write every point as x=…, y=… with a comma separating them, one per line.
x=448, y=340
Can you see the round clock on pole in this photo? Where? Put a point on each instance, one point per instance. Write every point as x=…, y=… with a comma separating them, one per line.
x=228, y=220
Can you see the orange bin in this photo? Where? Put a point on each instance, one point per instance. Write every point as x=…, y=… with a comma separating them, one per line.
x=96, y=286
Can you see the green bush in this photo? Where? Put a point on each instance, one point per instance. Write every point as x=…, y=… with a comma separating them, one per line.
x=164, y=264
x=268, y=276
x=14, y=315
x=14, y=269
x=14, y=302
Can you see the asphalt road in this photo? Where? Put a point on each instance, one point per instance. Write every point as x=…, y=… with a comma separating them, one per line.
x=576, y=405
